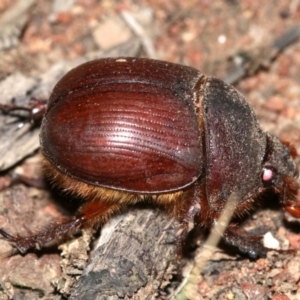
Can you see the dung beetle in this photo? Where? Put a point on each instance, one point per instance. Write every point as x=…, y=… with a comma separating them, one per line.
x=118, y=131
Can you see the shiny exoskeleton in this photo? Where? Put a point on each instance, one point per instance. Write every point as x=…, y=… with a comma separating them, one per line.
x=119, y=130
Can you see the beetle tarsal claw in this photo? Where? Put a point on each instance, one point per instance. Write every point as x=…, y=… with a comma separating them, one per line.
x=293, y=208
x=13, y=241
x=8, y=237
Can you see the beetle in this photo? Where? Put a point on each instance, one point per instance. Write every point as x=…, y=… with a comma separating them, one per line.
x=117, y=131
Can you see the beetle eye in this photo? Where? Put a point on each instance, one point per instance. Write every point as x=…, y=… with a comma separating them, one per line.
x=267, y=175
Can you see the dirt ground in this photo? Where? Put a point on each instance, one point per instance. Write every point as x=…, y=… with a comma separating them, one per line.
x=252, y=44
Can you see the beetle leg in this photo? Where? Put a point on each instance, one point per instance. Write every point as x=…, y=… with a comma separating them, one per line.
x=91, y=212
x=189, y=219
x=37, y=241
x=289, y=194
x=293, y=208
x=252, y=245
x=187, y=209
x=35, y=110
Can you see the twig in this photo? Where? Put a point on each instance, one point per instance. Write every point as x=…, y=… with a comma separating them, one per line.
x=140, y=32
x=188, y=290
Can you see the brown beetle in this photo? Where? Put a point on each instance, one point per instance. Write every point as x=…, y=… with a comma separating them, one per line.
x=120, y=130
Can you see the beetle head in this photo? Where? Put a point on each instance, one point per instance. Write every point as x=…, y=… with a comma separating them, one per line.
x=278, y=162
x=281, y=173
